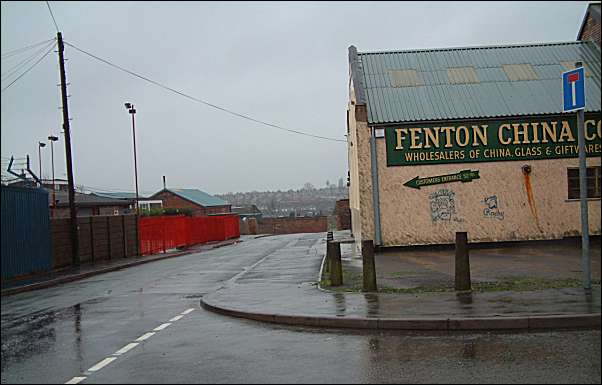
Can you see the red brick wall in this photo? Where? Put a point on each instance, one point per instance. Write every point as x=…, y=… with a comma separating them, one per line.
x=343, y=214
x=591, y=30
x=292, y=225
x=173, y=201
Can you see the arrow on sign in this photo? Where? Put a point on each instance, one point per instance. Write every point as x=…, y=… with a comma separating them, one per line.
x=462, y=176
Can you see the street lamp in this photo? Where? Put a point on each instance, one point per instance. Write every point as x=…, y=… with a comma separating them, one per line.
x=132, y=110
x=53, y=139
x=40, y=145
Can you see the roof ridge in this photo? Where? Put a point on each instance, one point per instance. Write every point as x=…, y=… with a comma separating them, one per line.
x=516, y=45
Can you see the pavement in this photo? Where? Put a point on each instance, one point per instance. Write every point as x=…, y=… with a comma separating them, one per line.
x=283, y=288
x=60, y=276
x=144, y=324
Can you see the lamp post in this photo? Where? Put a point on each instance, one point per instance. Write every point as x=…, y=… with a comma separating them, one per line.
x=132, y=110
x=53, y=139
x=40, y=145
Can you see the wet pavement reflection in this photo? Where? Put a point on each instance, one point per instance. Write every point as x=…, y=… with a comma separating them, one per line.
x=52, y=335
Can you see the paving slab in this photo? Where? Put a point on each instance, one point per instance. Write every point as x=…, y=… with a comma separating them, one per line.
x=283, y=288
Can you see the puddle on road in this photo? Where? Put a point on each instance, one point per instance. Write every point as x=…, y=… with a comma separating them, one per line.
x=28, y=336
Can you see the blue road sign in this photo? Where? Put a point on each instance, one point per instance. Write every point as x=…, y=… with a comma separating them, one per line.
x=573, y=90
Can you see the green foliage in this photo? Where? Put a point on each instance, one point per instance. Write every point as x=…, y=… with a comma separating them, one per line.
x=165, y=211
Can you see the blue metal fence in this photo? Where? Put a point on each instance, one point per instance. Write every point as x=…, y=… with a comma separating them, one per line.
x=26, y=243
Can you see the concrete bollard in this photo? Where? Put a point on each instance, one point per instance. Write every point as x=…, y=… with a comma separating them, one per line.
x=333, y=258
x=462, y=272
x=369, y=267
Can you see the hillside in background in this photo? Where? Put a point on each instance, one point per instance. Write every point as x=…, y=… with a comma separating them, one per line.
x=307, y=201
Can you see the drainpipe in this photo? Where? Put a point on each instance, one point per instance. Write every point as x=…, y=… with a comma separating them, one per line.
x=375, y=189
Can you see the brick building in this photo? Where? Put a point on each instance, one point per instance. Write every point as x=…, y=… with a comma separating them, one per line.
x=198, y=201
x=590, y=28
x=88, y=205
x=343, y=214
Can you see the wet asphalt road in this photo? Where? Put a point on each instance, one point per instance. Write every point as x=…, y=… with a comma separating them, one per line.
x=53, y=335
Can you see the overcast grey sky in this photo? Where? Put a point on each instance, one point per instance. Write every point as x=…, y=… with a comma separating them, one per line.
x=285, y=63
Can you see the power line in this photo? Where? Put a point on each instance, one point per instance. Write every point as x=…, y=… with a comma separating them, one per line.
x=51, y=14
x=202, y=101
x=19, y=50
x=17, y=67
x=29, y=69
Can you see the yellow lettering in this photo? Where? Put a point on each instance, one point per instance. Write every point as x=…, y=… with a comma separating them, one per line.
x=401, y=135
x=462, y=142
x=448, y=137
x=535, y=132
x=431, y=136
x=414, y=138
x=481, y=133
x=548, y=132
x=501, y=134
x=593, y=124
x=521, y=132
x=566, y=132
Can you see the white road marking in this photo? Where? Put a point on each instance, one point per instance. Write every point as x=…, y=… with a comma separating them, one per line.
x=144, y=337
x=161, y=327
x=102, y=364
x=75, y=380
x=126, y=348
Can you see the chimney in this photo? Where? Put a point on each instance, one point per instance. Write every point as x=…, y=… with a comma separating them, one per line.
x=164, y=186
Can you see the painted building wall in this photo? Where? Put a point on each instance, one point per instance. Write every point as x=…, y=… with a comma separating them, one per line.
x=411, y=216
x=496, y=207
x=360, y=189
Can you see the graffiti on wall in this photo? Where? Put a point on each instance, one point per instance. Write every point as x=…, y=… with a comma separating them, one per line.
x=492, y=208
x=443, y=206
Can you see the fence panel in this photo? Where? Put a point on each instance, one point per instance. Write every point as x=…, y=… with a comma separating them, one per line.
x=26, y=244
x=162, y=233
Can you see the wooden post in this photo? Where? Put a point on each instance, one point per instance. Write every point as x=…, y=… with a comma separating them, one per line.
x=369, y=267
x=125, y=241
x=462, y=273
x=92, y=237
x=109, y=235
x=333, y=250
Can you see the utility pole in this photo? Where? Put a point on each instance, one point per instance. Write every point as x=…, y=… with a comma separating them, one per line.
x=585, y=257
x=72, y=210
x=40, y=145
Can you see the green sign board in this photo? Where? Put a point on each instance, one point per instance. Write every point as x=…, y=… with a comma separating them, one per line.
x=491, y=140
x=463, y=176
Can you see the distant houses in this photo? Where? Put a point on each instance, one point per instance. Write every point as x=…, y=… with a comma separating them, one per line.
x=199, y=202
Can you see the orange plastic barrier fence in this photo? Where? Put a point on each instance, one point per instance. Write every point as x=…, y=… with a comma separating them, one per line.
x=162, y=233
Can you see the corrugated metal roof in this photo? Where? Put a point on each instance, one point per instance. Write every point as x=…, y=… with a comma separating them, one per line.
x=516, y=72
x=84, y=200
x=462, y=75
x=438, y=98
x=118, y=195
x=405, y=78
x=199, y=197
